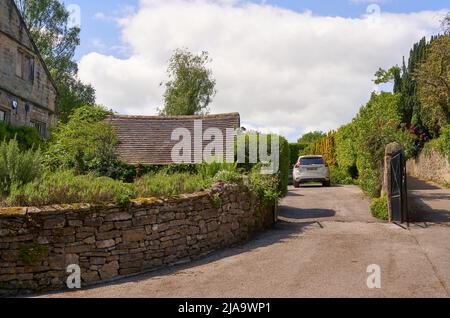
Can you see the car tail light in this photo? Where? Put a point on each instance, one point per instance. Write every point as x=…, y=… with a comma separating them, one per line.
x=297, y=165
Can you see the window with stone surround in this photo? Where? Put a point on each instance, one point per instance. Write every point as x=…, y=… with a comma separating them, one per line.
x=4, y=116
x=40, y=126
x=25, y=66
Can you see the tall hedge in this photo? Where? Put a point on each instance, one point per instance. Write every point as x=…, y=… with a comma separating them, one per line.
x=295, y=149
x=284, y=156
x=326, y=148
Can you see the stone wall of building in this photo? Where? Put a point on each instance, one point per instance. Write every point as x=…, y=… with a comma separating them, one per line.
x=37, y=245
x=430, y=165
x=24, y=100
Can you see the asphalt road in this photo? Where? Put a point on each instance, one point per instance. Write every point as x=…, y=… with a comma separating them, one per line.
x=321, y=247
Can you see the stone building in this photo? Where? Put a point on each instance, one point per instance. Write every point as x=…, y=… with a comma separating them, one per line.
x=151, y=139
x=27, y=92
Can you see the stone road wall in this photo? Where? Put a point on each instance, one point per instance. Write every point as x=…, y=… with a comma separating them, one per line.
x=429, y=165
x=37, y=245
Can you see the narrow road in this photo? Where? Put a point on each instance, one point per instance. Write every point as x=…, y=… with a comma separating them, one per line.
x=321, y=247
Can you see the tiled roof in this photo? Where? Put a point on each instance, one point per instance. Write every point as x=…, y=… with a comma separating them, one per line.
x=148, y=139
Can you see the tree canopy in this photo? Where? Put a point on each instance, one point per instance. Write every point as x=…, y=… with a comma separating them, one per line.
x=433, y=78
x=311, y=137
x=191, y=86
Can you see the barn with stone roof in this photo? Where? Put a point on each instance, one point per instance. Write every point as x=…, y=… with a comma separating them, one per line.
x=150, y=139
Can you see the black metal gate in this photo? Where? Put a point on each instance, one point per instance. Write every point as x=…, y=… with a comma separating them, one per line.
x=398, y=195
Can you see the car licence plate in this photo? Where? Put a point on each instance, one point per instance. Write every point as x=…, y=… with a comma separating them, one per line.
x=312, y=168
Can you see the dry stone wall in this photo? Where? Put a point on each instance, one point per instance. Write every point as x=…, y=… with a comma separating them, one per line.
x=430, y=165
x=110, y=241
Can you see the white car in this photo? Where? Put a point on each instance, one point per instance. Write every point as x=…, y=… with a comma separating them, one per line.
x=311, y=169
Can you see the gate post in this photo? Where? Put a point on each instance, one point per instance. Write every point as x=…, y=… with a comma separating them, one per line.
x=390, y=150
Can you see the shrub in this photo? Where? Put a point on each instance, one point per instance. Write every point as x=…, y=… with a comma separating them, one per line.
x=64, y=187
x=228, y=176
x=379, y=208
x=285, y=166
x=265, y=187
x=444, y=141
x=16, y=166
x=169, y=185
x=209, y=170
x=284, y=157
x=340, y=175
x=86, y=143
x=27, y=137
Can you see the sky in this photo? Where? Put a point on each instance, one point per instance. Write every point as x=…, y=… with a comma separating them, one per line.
x=287, y=66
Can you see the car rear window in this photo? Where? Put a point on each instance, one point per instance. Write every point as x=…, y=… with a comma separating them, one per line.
x=311, y=161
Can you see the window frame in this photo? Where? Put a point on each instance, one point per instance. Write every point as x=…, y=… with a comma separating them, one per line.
x=40, y=126
x=25, y=66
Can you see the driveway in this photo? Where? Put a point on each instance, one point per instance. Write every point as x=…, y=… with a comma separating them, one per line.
x=321, y=247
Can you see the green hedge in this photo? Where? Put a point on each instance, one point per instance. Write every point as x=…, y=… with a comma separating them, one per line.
x=379, y=208
x=295, y=149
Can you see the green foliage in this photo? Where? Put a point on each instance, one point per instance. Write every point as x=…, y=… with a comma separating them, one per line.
x=27, y=137
x=216, y=201
x=73, y=95
x=433, y=78
x=190, y=88
x=17, y=167
x=285, y=166
x=48, y=21
x=376, y=125
x=356, y=150
x=228, y=176
x=64, y=187
x=311, y=137
x=346, y=148
x=265, y=187
x=340, y=175
x=33, y=253
x=210, y=170
x=383, y=76
x=443, y=142
x=85, y=143
x=325, y=147
x=295, y=149
x=283, y=155
x=379, y=208
x=170, y=185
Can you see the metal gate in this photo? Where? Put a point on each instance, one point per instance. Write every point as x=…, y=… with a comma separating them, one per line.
x=398, y=195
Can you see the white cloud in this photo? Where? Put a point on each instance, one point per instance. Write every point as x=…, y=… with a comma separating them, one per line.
x=282, y=70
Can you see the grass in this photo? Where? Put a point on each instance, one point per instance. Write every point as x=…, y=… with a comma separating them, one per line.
x=65, y=187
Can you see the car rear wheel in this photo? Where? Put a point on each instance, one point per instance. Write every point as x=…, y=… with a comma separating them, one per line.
x=326, y=183
x=296, y=184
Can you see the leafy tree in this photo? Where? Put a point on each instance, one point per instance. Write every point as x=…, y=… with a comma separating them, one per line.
x=47, y=21
x=433, y=77
x=190, y=88
x=85, y=143
x=383, y=76
x=409, y=105
x=311, y=137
